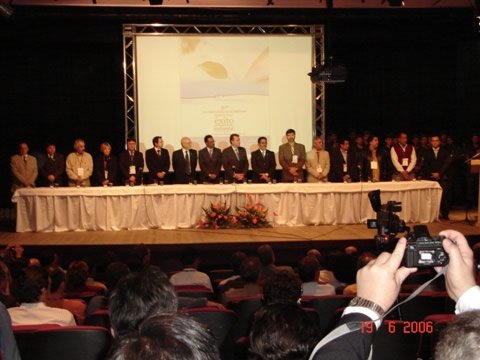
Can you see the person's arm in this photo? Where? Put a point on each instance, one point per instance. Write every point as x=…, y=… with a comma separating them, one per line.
x=71, y=173
x=88, y=167
x=413, y=161
x=311, y=169
x=34, y=174
x=394, y=157
x=302, y=157
x=459, y=276
x=281, y=158
x=15, y=172
x=326, y=168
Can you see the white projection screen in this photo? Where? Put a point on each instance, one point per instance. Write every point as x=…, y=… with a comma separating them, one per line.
x=253, y=85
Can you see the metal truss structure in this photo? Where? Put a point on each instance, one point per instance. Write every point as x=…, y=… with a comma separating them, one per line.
x=130, y=31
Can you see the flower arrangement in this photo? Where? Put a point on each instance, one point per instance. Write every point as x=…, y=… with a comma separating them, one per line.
x=217, y=216
x=252, y=215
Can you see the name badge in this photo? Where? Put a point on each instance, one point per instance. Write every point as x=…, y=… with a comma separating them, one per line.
x=374, y=165
x=319, y=169
x=132, y=170
x=80, y=171
x=405, y=162
x=294, y=159
x=344, y=168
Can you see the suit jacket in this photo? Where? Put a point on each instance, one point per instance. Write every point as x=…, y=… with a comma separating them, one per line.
x=352, y=346
x=55, y=167
x=336, y=166
x=262, y=165
x=23, y=170
x=210, y=165
x=124, y=163
x=100, y=168
x=313, y=164
x=285, y=157
x=157, y=163
x=362, y=164
x=441, y=164
x=382, y=162
x=231, y=163
x=180, y=166
x=75, y=161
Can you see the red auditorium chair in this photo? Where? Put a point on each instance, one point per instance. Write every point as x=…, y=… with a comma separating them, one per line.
x=422, y=305
x=220, y=322
x=393, y=342
x=326, y=307
x=195, y=291
x=98, y=318
x=245, y=307
x=63, y=343
x=427, y=342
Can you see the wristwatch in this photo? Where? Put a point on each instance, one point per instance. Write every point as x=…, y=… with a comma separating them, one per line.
x=359, y=301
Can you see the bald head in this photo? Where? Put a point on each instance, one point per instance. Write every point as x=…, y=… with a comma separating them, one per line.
x=186, y=143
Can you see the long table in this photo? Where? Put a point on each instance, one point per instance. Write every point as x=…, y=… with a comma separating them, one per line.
x=180, y=206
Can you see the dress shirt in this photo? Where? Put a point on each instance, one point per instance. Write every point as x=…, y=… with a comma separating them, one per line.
x=313, y=288
x=190, y=276
x=396, y=163
x=39, y=313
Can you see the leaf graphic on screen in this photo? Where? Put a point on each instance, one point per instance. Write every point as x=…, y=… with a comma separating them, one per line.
x=189, y=45
x=215, y=70
x=258, y=71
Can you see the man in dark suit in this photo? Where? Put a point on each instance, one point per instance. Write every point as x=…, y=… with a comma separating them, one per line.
x=131, y=163
x=158, y=160
x=436, y=165
x=342, y=163
x=292, y=156
x=184, y=162
x=105, y=166
x=235, y=161
x=210, y=161
x=53, y=169
x=263, y=162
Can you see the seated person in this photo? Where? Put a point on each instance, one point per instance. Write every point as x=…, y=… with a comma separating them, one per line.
x=78, y=284
x=364, y=259
x=267, y=259
x=171, y=336
x=282, y=332
x=249, y=271
x=6, y=297
x=235, y=280
x=54, y=296
x=190, y=275
x=309, y=270
x=8, y=345
x=325, y=276
x=33, y=310
x=283, y=287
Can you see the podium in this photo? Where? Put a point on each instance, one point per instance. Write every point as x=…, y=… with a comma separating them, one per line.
x=475, y=169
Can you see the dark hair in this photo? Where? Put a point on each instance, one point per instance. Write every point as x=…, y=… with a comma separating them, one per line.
x=57, y=277
x=282, y=332
x=232, y=136
x=266, y=254
x=236, y=260
x=343, y=139
x=205, y=139
x=261, y=138
x=137, y=257
x=47, y=257
x=76, y=277
x=250, y=269
x=155, y=139
x=138, y=296
x=189, y=256
x=167, y=337
x=308, y=268
x=371, y=137
x=460, y=338
x=290, y=131
x=35, y=279
x=114, y=272
x=131, y=139
x=282, y=287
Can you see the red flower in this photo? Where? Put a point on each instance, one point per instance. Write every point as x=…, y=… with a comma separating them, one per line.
x=213, y=214
x=234, y=220
x=254, y=220
x=215, y=227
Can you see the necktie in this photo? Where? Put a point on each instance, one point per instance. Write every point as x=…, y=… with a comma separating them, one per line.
x=131, y=157
x=263, y=153
x=210, y=151
x=436, y=153
x=158, y=152
x=188, y=169
x=236, y=153
x=318, y=157
x=292, y=148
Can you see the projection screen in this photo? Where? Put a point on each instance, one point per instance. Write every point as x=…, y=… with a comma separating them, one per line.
x=253, y=85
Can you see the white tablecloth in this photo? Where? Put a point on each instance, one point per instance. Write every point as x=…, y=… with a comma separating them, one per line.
x=180, y=206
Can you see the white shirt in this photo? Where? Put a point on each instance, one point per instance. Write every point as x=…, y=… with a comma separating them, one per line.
x=396, y=161
x=39, y=313
x=191, y=276
x=313, y=288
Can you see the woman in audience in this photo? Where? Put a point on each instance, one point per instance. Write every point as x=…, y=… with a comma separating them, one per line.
x=249, y=272
x=5, y=286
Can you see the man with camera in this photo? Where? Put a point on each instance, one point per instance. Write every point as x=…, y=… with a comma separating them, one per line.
x=379, y=284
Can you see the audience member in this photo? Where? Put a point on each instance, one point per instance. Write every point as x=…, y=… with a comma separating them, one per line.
x=283, y=287
x=461, y=338
x=139, y=258
x=54, y=296
x=267, y=259
x=309, y=270
x=363, y=259
x=139, y=296
x=8, y=345
x=249, y=272
x=282, y=332
x=166, y=337
x=234, y=280
x=5, y=287
x=190, y=275
x=325, y=276
x=31, y=295
x=78, y=281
